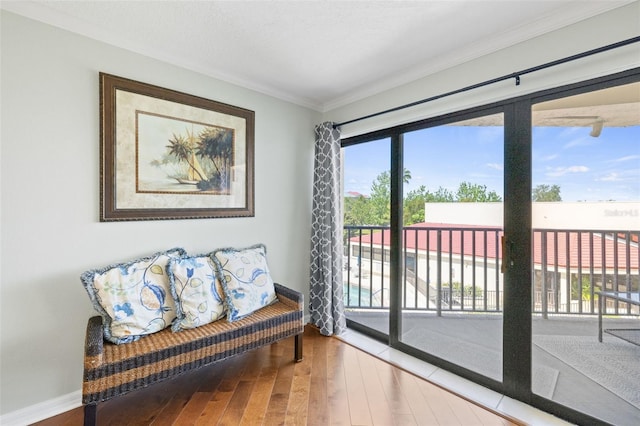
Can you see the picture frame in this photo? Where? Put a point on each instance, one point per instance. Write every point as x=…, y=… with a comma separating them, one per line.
x=166, y=155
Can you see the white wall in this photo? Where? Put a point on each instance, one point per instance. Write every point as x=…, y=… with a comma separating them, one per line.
x=50, y=197
x=549, y=215
x=611, y=27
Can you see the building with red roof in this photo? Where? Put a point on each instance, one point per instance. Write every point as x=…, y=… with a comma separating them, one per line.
x=469, y=256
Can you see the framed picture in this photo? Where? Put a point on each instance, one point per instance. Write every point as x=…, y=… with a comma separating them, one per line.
x=170, y=155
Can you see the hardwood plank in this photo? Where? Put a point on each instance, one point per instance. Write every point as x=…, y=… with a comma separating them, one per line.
x=236, y=407
x=488, y=418
x=193, y=409
x=438, y=401
x=319, y=400
x=220, y=398
x=297, y=409
x=277, y=407
x=392, y=389
x=462, y=410
x=267, y=367
x=209, y=381
x=406, y=420
x=379, y=407
x=257, y=406
x=420, y=407
x=358, y=405
x=68, y=418
x=338, y=398
x=335, y=384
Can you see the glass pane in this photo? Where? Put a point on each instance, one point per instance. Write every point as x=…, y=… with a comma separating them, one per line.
x=452, y=288
x=586, y=228
x=367, y=201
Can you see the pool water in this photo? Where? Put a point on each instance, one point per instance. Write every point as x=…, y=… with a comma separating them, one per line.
x=351, y=293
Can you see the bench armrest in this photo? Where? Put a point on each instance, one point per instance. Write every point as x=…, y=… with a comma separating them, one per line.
x=290, y=297
x=94, y=341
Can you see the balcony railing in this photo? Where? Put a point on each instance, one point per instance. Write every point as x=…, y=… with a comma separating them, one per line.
x=458, y=269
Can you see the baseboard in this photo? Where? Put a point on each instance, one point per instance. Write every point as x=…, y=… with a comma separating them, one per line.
x=42, y=410
x=53, y=407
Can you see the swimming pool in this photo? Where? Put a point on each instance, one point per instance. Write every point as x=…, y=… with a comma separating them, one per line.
x=351, y=297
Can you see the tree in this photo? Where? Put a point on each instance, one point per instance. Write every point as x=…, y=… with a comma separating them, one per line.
x=475, y=193
x=357, y=211
x=216, y=144
x=413, y=206
x=376, y=210
x=546, y=193
x=380, y=201
x=183, y=148
x=442, y=195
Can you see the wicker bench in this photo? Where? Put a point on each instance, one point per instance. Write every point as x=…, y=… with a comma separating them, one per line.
x=112, y=370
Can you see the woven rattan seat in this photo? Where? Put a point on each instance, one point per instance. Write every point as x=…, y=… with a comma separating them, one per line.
x=111, y=370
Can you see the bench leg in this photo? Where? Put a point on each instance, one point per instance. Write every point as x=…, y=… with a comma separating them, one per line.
x=91, y=414
x=298, y=347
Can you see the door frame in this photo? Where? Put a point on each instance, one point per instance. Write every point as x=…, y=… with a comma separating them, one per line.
x=517, y=254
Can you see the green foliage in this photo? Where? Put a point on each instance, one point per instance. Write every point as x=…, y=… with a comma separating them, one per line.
x=380, y=201
x=215, y=182
x=584, y=290
x=213, y=144
x=474, y=193
x=546, y=193
x=357, y=211
x=466, y=291
x=442, y=195
x=376, y=210
x=216, y=144
x=413, y=207
x=180, y=147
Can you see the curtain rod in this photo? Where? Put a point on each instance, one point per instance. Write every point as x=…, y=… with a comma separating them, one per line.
x=515, y=75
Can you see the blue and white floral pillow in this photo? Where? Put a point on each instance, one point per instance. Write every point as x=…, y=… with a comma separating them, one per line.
x=133, y=298
x=198, y=293
x=245, y=278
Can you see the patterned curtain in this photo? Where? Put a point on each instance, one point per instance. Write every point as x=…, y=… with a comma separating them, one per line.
x=326, y=304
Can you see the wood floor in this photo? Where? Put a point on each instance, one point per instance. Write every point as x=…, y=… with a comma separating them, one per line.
x=335, y=384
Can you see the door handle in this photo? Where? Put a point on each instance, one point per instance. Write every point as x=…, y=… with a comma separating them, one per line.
x=506, y=253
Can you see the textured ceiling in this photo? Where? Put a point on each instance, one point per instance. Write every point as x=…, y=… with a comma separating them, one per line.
x=320, y=54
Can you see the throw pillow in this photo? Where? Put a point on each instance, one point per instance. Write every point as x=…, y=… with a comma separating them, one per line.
x=197, y=291
x=133, y=298
x=245, y=278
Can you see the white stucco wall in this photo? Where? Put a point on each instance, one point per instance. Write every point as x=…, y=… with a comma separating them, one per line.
x=50, y=197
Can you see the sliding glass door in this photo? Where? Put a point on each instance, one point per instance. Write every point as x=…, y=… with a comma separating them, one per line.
x=586, y=229
x=501, y=242
x=451, y=293
x=367, y=215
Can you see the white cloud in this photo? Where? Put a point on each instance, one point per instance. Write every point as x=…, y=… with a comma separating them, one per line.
x=581, y=141
x=549, y=157
x=611, y=177
x=495, y=166
x=561, y=171
x=627, y=158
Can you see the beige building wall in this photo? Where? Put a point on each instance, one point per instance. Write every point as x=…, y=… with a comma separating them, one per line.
x=552, y=215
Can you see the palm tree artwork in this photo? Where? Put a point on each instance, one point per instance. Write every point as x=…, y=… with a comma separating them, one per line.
x=208, y=156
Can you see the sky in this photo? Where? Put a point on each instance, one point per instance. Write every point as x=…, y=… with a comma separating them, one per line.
x=586, y=168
